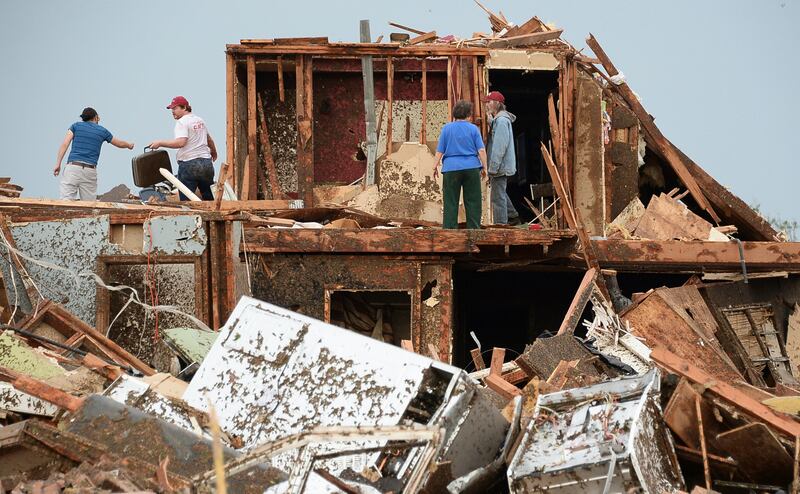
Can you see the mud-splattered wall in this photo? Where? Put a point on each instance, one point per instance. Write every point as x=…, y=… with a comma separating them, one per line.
x=300, y=283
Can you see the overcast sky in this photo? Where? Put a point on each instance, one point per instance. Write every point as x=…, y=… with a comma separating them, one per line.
x=719, y=76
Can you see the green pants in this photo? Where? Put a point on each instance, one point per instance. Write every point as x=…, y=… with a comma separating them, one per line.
x=453, y=183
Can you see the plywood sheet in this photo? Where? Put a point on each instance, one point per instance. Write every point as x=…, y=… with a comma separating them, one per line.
x=759, y=453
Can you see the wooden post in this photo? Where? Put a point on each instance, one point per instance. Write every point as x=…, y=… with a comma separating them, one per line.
x=476, y=96
x=459, y=75
x=477, y=359
x=281, y=93
x=662, y=145
x=252, y=146
x=223, y=175
x=369, y=108
x=389, y=104
x=555, y=135
x=305, y=144
x=423, y=131
x=796, y=481
x=706, y=470
x=229, y=124
x=449, y=89
x=496, y=365
x=266, y=148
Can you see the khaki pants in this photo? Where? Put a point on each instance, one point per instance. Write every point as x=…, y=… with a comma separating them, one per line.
x=79, y=182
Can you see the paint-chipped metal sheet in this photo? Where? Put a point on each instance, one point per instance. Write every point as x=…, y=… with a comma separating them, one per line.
x=137, y=393
x=174, y=235
x=272, y=373
x=74, y=245
x=584, y=439
x=12, y=400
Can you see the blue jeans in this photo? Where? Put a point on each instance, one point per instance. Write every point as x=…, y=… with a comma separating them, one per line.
x=197, y=173
x=502, y=209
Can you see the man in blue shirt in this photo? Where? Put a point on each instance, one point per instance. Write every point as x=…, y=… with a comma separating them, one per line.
x=80, y=176
x=463, y=157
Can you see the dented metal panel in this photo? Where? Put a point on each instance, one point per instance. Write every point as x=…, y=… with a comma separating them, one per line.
x=600, y=437
x=173, y=235
x=136, y=393
x=12, y=400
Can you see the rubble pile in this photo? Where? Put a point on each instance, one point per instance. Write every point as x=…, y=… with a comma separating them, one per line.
x=314, y=330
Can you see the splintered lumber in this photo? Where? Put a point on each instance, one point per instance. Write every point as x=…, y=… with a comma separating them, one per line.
x=406, y=28
x=578, y=304
x=533, y=25
x=558, y=184
x=501, y=386
x=220, y=190
x=266, y=148
x=702, y=434
x=423, y=38
x=560, y=375
x=477, y=359
x=40, y=389
x=525, y=39
x=252, y=146
x=725, y=392
x=667, y=219
x=498, y=356
x=498, y=23
x=663, y=146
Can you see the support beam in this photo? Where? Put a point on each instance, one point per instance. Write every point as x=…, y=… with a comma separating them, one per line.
x=389, y=104
x=281, y=92
x=579, y=302
x=698, y=257
x=229, y=124
x=397, y=240
x=252, y=143
x=663, y=146
x=423, y=131
x=305, y=124
x=266, y=149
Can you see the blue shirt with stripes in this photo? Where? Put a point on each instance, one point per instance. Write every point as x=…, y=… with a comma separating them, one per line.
x=459, y=144
x=86, y=141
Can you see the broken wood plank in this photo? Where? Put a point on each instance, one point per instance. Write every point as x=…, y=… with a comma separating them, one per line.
x=725, y=392
x=230, y=151
x=422, y=38
x=406, y=345
x=555, y=135
x=667, y=219
x=40, y=389
x=389, y=104
x=406, y=28
x=312, y=40
x=532, y=25
x=578, y=304
x=266, y=148
x=477, y=359
x=433, y=352
x=498, y=356
x=702, y=434
x=281, y=91
x=525, y=39
x=559, y=376
x=502, y=387
x=423, y=133
x=305, y=125
x=561, y=191
x=663, y=146
x=220, y=189
x=372, y=134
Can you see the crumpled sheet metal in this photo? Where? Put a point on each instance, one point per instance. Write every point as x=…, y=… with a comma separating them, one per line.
x=272, y=373
x=136, y=393
x=12, y=400
x=175, y=235
x=605, y=435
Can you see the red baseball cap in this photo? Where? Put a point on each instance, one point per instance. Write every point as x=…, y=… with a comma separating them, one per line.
x=178, y=101
x=495, y=96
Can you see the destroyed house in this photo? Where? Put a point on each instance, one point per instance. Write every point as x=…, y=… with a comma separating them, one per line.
x=356, y=125
x=638, y=297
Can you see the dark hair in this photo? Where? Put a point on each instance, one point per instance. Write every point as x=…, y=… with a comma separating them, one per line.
x=185, y=107
x=462, y=109
x=88, y=113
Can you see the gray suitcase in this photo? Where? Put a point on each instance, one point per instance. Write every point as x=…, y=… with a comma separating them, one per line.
x=145, y=167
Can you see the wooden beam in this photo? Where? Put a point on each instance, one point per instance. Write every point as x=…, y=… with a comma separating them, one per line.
x=422, y=38
x=389, y=104
x=555, y=134
x=355, y=50
x=569, y=213
x=504, y=388
x=252, y=143
x=579, y=301
x=402, y=240
x=663, y=146
x=727, y=393
x=533, y=25
x=305, y=123
x=476, y=94
x=696, y=256
x=702, y=435
x=258, y=205
x=450, y=101
x=498, y=356
x=281, y=92
x=230, y=63
x=220, y=192
x=266, y=149
x=477, y=359
x=525, y=39
x=423, y=131
x=406, y=28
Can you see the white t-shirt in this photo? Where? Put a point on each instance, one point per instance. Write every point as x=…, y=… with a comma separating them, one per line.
x=194, y=128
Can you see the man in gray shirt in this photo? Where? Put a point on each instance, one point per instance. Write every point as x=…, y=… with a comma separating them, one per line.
x=502, y=159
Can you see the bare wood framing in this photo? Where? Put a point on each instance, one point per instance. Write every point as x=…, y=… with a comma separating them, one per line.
x=281, y=92
x=423, y=132
x=229, y=103
x=305, y=122
x=356, y=50
x=252, y=143
x=266, y=149
x=389, y=104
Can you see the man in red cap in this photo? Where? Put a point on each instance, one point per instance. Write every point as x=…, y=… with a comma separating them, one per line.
x=502, y=158
x=196, y=149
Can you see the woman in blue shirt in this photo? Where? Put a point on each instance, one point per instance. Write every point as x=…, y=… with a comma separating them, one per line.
x=463, y=157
